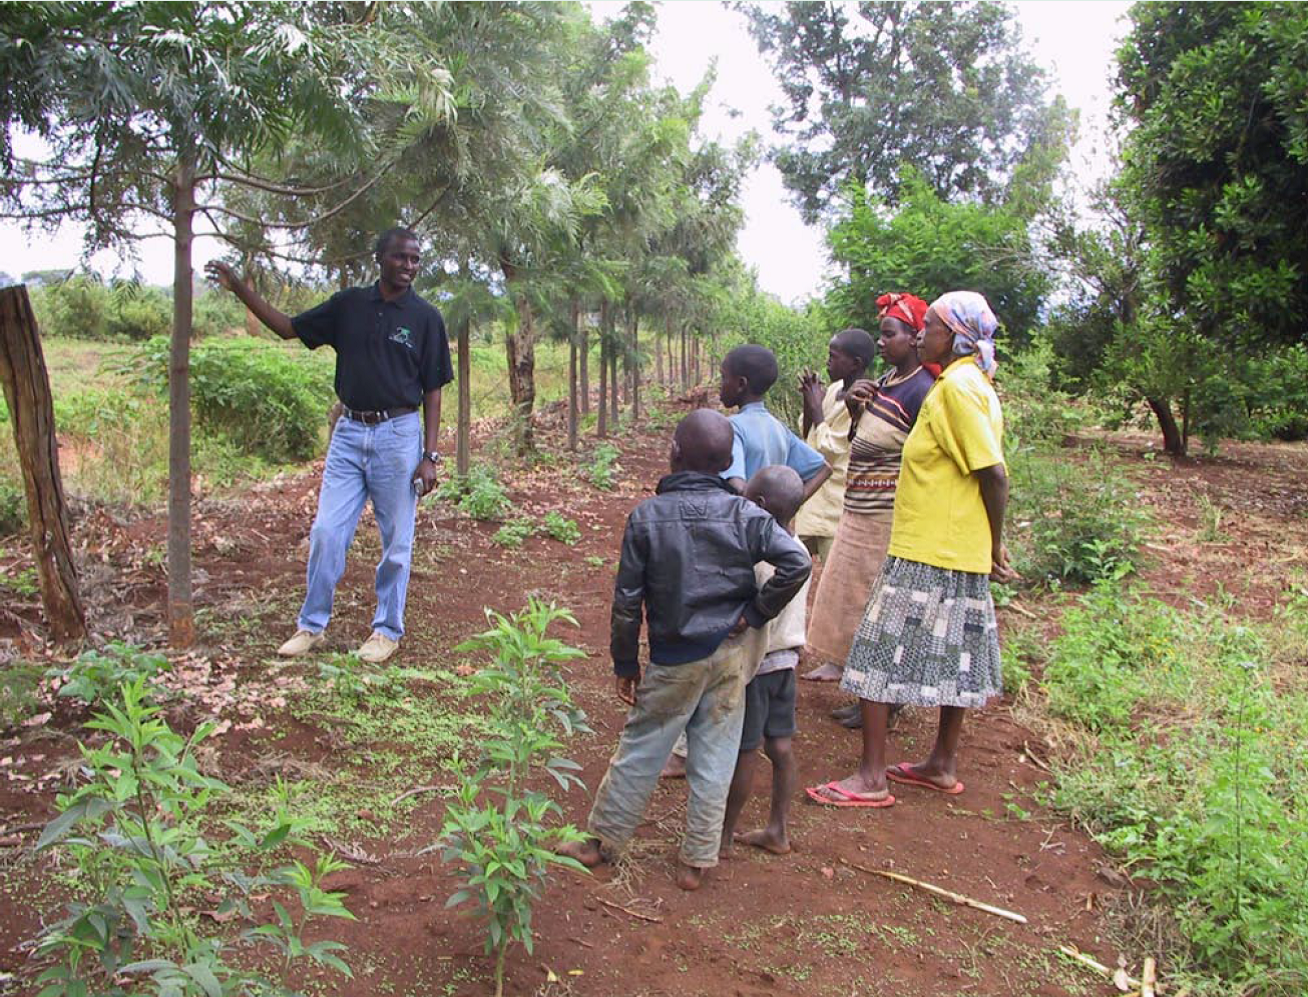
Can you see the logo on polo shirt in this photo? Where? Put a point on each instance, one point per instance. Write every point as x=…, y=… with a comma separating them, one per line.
x=403, y=337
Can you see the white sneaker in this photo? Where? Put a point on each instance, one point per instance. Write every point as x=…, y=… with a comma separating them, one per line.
x=377, y=648
x=303, y=642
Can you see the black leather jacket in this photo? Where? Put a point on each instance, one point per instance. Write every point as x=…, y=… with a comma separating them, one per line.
x=688, y=558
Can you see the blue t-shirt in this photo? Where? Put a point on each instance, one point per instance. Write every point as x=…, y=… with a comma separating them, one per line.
x=762, y=440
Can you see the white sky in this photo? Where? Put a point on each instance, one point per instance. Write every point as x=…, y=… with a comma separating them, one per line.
x=1073, y=40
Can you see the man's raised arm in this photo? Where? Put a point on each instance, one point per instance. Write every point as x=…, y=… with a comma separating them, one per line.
x=278, y=322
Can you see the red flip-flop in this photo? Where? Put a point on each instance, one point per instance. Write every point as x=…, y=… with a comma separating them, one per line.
x=902, y=774
x=851, y=799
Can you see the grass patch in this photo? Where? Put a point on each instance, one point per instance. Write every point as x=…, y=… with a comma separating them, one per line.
x=1188, y=766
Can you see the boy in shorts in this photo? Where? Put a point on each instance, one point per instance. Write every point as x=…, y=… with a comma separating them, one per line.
x=770, y=696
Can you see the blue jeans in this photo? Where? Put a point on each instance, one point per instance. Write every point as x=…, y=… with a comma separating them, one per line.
x=705, y=699
x=365, y=462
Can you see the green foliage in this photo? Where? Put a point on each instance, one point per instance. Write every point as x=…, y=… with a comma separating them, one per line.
x=928, y=246
x=1191, y=773
x=21, y=693
x=868, y=87
x=97, y=677
x=1072, y=520
x=560, y=528
x=479, y=493
x=1215, y=164
x=84, y=307
x=250, y=391
x=602, y=472
x=514, y=533
x=13, y=506
x=134, y=832
x=504, y=848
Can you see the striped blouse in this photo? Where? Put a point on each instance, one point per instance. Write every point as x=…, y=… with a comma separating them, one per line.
x=878, y=445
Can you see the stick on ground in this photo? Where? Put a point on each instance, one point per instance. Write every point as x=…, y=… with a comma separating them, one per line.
x=940, y=891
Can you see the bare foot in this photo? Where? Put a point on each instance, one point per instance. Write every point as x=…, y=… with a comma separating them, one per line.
x=824, y=673
x=689, y=877
x=586, y=852
x=765, y=839
x=854, y=791
x=675, y=768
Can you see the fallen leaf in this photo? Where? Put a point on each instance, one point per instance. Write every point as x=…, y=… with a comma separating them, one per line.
x=37, y=720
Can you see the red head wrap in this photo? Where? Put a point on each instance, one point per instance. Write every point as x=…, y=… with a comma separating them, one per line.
x=906, y=307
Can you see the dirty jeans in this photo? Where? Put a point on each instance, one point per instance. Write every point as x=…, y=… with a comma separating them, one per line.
x=705, y=699
x=365, y=462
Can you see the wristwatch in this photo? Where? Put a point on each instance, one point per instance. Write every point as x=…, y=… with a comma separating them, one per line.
x=432, y=456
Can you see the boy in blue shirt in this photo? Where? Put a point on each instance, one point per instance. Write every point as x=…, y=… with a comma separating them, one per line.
x=761, y=439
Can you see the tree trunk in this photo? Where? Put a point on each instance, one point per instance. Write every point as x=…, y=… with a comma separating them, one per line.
x=669, y=341
x=521, y=348
x=463, y=419
x=584, y=350
x=602, y=426
x=695, y=351
x=572, y=375
x=658, y=360
x=181, y=609
x=31, y=410
x=635, y=365
x=520, y=352
x=686, y=365
x=1173, y=441
x=613, y=383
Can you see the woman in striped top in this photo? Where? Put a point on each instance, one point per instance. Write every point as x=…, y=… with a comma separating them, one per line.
x=882, y=413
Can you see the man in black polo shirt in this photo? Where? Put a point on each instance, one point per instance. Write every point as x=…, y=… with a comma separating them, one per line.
x=392, y=355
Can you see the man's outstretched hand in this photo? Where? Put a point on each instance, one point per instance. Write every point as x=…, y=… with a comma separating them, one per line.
x=222, y=274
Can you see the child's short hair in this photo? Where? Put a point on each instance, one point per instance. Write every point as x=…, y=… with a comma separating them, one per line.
x=755, y=364
x=858, y=343
x=781, y=489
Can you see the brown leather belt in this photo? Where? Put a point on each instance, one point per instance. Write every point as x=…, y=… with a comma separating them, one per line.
x=373, y=418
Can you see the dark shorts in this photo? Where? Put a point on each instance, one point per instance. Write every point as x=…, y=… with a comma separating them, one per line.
x=769, y=709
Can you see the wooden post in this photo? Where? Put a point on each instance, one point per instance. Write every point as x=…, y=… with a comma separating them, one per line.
x=31, y=410
x=181, y=610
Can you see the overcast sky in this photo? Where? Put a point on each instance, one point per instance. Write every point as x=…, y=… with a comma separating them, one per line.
x=1073, y=40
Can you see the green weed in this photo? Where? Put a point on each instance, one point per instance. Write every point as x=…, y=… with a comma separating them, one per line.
x=479, y=493
x=514, y=533
x=602, y=472
x=560, y=528
x=97, y=677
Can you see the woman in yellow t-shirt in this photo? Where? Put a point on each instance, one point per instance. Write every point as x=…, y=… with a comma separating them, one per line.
x=928, y=637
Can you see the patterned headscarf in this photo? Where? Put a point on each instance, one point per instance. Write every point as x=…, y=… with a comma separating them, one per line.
x=905, y=307
x=969, y=318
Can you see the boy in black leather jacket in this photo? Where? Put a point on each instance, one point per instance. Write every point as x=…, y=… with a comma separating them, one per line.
x=688, y=559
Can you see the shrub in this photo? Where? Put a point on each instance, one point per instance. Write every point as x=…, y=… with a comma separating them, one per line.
x=1072, y=521
x=84, y=307
x=250, y=391
x=478, y=493
x=504, y=848
x=562, y=529
x=602, y=471
x=97, y=677
x=13, y=507
x=514, y=533
x=215, y=313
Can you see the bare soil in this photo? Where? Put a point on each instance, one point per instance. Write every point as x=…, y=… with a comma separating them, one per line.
x=810, y=923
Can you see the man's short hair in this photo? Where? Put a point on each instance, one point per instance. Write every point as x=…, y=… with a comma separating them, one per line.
x=858, y=343
x=386, y=238
x=755, y=364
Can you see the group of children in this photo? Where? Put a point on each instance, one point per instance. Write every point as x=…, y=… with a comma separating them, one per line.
x=712, y=566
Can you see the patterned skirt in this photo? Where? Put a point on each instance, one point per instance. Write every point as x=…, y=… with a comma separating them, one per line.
x=928, y=638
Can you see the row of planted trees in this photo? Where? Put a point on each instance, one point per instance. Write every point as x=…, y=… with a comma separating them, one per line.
x=559, y=190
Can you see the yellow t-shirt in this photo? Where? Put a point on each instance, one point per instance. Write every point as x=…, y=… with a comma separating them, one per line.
x=939, y=516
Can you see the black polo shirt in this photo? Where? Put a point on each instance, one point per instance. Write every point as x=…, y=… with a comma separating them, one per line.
x=388, y=353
